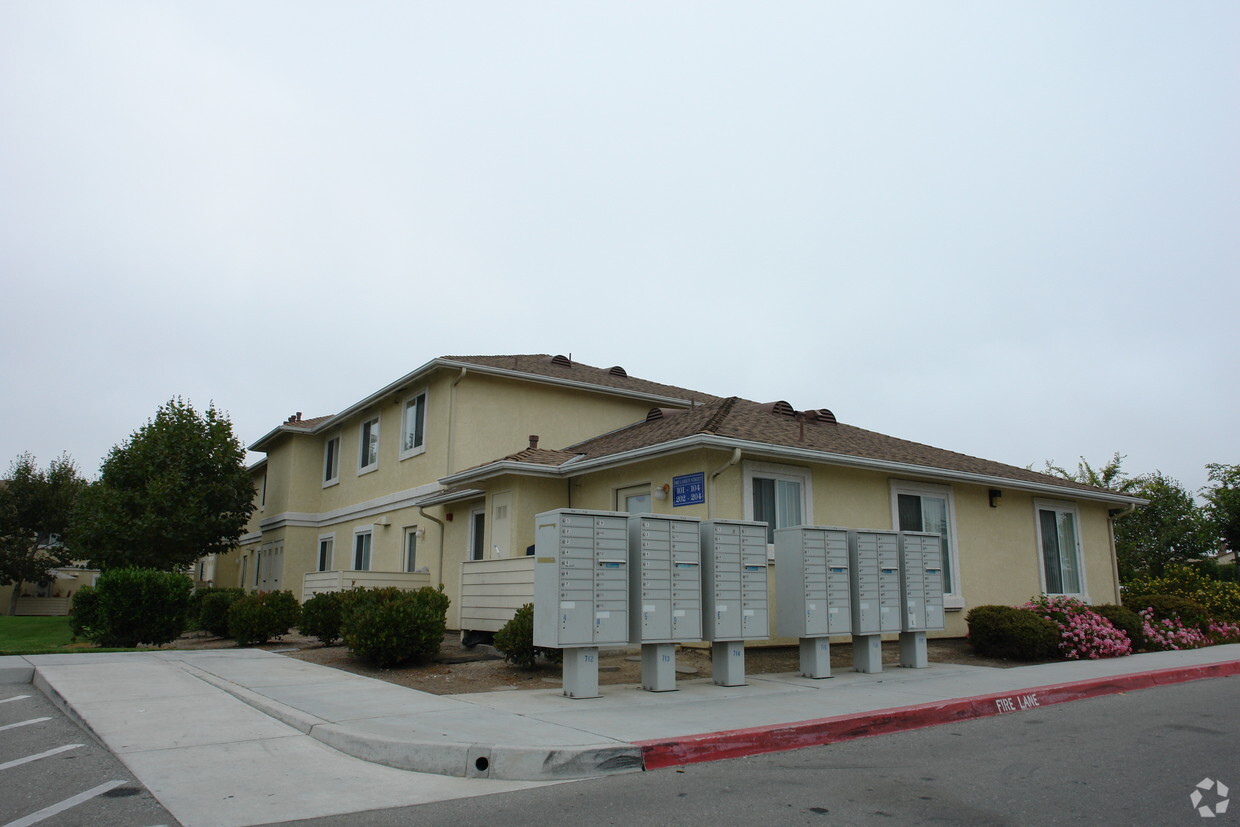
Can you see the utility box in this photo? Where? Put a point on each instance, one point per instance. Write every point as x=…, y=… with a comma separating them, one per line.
x=734, y=574
x=665, y=579
x=735, y=605
x=581, y=578
x=812, y=582
x=875, y=559
x=921, y=581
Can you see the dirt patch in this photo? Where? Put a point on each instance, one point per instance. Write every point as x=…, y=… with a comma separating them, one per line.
x=458, y=670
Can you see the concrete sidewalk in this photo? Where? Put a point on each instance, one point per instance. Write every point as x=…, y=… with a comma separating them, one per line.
x=194, y=709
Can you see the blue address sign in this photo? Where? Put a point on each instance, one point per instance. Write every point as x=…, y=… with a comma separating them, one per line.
x=689, y=489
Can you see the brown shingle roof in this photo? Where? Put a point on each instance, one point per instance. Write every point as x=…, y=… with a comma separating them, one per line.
x=753, y=422
x=307, y=424
x=541, y=364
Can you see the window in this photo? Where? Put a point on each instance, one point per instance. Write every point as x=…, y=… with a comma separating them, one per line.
x=413, y=426
x=411, y=549
x=361, y=550
x=928, y=508
x=326, y=545
x=368, y=446
x=634, y=500
x=1060, y=545
x=262, y=494
x=778, y=495
x=331, y=461
x=477, y=533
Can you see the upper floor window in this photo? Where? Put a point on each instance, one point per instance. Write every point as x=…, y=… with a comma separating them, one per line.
x=928, y=508
x=368, y=446
x=413, y=426
x=1060, y=546
x=778, y=495
x=331, y=461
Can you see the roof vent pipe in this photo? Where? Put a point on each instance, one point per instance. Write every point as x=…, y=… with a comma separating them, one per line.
x=533, y=441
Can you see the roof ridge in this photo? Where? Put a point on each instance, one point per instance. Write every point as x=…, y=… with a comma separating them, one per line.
x=720, y=415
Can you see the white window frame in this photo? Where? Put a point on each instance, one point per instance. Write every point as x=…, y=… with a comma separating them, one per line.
x=363, y=443
x=365, y=531
x=1040, y=505
x=774, y=471
x=406, y=453
x=331, y=461
x=474, y=540
x=955, y=598
x=411, y=533
x=331, y=552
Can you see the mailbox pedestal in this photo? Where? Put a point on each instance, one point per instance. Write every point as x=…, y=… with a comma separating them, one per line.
x=868, y=653
x=815, y=657
x=734, y=594
x=727, y=662
x=913, y=650
x=659, y=667
x=581, y=672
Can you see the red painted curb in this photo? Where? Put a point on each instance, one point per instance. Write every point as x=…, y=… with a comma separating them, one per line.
x=737, y=743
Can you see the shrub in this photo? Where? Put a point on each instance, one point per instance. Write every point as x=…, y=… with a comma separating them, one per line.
x=1220, y=599
x=1006, y=632
x=390, y=626
x=257, y=618
x=516, y=640
x=1083, y=633
x=140, y=606
x=213, y=609
x=1171, y=607
x=84, y=613
x=1124, y=619
x=1223, y=632
x=1162, y=634
x=320, y=617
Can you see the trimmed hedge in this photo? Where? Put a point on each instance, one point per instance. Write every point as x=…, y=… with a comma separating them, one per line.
x=213, y=609
x=140, y=606
x=320, y=617
x=388, y=626
x=84, y=613
x=1010, y=633
x=516, y=640
x=1169, y=606
x=257, y=618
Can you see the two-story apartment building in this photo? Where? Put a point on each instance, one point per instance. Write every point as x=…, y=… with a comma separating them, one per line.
x=436, y=478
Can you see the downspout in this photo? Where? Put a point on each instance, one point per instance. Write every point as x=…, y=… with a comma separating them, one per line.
x=710, y=502
x=451, y=452
x=422, y=511
x=1111, y=516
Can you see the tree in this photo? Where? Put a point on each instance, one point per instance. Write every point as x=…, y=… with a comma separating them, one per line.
x=176, y=491
x=35, y=507
x=1172, y=528
x=1223, y=502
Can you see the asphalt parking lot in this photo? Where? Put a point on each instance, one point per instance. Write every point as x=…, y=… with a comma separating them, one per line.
x=52, y=772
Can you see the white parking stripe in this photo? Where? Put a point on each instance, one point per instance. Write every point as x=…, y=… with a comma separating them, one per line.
x=17, y=762
x=48, y=812
x=24, y=723
x=14, y=698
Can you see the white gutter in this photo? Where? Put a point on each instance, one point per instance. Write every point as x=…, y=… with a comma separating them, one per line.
x=784, y=452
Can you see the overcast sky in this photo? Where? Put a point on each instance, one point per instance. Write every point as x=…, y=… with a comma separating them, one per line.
x=1007, y=229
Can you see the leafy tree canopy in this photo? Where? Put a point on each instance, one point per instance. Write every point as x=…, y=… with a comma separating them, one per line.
x=1108, y=475
x=1223, y=502
x=35, y=507
x=176, y=491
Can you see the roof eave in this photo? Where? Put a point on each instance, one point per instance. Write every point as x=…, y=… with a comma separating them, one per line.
x=787, y=452
x=497, y=469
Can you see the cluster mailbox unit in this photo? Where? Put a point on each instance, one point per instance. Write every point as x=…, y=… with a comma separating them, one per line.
x=581, y=574
x=876, y=609
x=813, y=593
x=921, y=593
x=735, y=606
x=666, y=588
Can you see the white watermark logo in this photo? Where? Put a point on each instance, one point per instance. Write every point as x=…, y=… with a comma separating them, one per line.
x=1220, y=793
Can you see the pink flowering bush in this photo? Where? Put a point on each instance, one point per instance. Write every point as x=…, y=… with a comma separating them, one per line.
x=1169, y=633
x=1083, y=633
x=1221, y=632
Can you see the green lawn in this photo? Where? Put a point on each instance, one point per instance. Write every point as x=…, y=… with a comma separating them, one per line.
x=36, y=635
